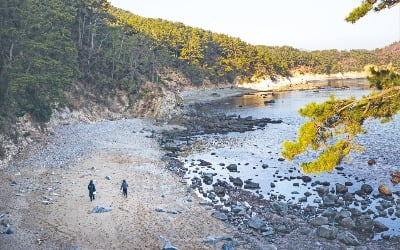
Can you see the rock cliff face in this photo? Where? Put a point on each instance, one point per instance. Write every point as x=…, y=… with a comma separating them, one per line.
x=159, y=104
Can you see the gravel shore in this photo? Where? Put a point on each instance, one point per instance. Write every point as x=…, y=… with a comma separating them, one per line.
x=45, y=203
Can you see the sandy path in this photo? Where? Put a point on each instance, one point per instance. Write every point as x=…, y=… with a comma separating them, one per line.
x=133, y=223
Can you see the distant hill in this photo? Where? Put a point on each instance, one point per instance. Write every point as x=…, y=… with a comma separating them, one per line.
x=55, y=52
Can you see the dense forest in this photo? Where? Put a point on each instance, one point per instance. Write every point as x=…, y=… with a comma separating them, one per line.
x=49, y=48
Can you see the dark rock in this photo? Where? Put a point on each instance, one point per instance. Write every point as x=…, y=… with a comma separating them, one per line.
x=207, y=178
x=303, y=199
x=355, y=212
x=371, y=162
x=344, y=214
x=395, y=177
x=216, y=239
x=281, y=159
x=238, y=209
x=9, y=231
x=348, y=223
x=348, y=183
x=272, y=185
x=232, y=167
x=219, y=215
x=326, y=183
x=364, y=224
x=279, y=206
x=329, y=200
x=341, y=189
x=108, y=177
x=306, y=178
x=237, y=181
x=204, y=163
x=256, y=223
x=379, y=227
x=327, y=232
x=282, y=228
x=264, y=166
x=160, y=210
x=219, y=190
x=348, y=197
x=322, y=190
x=319, y=221
x=251, y=185
x=348, y=238
x=366, y=189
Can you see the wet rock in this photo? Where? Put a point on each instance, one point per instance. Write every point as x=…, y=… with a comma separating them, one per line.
x=306, y=178
x=220, y=216
x=251, y=185
x=364, y=224
x=379, y=227
x=366, y=189
x=371, y=162
x=319, y=221
x=348, y=223
x=341, y=189
x=327, y=232
x=256, y=223
x=385, y=190
x=207, y=178
x=232, y=167
x=101, y=209
x=348, y=238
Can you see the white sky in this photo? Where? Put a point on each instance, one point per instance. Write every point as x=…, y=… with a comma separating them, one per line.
x=304, y=24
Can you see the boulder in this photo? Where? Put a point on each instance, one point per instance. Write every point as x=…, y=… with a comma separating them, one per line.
x=319, y=221
x=341, y=189
x=327, y=232
x=385, y=190
x=364, y=224
x=348, y=197
x=348, y=223
x=232, y=168
x=379, y=227
x=366, y=189
x=329, y=200
x=322, y=190
x=207, y=178
x=219, y=215
x=256, y=223
x=348, y=238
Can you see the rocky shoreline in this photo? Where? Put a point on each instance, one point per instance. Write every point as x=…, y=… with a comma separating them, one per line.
x=338, y=219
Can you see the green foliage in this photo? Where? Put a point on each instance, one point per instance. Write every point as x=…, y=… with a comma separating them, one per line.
x=333, y=125
x=366, y=6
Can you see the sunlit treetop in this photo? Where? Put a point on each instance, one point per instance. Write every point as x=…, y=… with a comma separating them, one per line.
x=368, y=5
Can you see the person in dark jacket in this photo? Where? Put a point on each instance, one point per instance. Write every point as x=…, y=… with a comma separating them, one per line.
x=92, y=190
x=124, y=187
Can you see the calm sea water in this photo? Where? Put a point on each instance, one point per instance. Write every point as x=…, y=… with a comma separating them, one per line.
x=250, y=150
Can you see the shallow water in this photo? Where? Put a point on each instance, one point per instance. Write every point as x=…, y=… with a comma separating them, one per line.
x=250, y=150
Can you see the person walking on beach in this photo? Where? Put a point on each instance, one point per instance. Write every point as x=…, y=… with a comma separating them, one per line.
x=92, y=190
x=124, y=187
